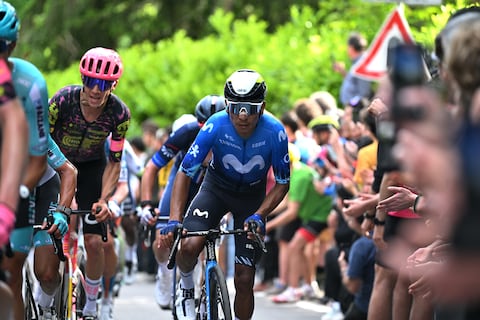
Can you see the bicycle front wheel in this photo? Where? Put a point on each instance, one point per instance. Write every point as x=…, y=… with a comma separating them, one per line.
x=218, y=293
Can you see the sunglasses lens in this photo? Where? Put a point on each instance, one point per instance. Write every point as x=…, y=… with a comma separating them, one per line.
x=103, y=85
x=249, y=108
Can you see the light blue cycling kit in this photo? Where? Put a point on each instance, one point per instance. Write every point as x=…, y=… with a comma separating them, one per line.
x=32, y=90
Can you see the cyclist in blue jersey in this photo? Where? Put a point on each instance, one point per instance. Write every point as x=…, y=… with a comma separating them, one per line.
x=184, y=131
x=245, y=143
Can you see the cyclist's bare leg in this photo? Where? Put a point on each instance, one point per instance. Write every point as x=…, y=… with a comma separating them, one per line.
x=188, y=253
x=6, y=302
x=129, y=224
x=46, y=266
x=95, y=256
x=14, y=266
x=244, y=300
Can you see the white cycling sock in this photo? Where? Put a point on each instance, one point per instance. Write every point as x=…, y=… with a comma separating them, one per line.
x=44, y=300
x=162, y=268
x=91, y=290
x=187, y=280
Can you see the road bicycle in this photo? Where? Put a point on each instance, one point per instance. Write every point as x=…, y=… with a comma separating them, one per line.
x=70, y=298
x=214, y=302
x=31, y=309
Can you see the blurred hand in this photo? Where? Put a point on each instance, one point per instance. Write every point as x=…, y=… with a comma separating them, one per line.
x=7, y=222
x=147, y=217
x=402, y=198
x=115, y=208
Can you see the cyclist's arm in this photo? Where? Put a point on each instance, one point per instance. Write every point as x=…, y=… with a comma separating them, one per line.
x=68, y=183
x=65, y=169
x=179, y=196
x=121, y=192
x=110, y=179
x=35, y=170
x=148, y=180
x=273, y=198
x=14, y=151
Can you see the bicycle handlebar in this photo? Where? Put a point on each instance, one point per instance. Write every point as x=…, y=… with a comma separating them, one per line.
x=209, y=234
x=91, y=217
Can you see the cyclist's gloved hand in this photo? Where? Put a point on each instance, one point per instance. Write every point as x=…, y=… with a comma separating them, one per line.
x=60, y=220
x=257, y=220
x=147, y=216
x=170, y=227
x=115, y=208
x=7, y=222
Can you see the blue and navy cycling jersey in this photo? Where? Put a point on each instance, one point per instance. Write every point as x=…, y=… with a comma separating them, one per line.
x=31, y=88
x=240, y=164
x=177, y=143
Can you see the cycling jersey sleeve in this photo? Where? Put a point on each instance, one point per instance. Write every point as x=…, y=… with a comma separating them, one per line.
x=179, y=140
x=31, y=87
x=199, y=149
x=118, y=134
x=280, y=159
x=55, y=156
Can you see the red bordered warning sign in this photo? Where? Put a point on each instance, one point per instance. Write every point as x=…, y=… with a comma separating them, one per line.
x=373, y=63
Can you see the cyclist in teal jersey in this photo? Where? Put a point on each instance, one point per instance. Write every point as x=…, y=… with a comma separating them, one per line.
x=96, y=114
x=245, y=143
x=13, y=125
x=53, y=194
x=30, y=86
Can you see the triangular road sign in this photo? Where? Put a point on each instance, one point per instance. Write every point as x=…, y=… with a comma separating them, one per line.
x=373, y=63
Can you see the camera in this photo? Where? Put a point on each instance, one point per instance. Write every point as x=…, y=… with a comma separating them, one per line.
x=406, y=68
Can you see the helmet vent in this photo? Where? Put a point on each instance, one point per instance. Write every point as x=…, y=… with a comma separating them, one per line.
x=107, y=67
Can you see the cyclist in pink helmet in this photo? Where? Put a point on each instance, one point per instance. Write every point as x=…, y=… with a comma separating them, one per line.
x=95, y=113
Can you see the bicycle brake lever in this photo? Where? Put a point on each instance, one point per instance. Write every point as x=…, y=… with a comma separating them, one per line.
x=252, y=227
x=57, y=243
x=177, y=234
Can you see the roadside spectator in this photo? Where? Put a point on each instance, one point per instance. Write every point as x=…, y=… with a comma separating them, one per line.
x=353, y=86
x=304, y=202
x=357, y=276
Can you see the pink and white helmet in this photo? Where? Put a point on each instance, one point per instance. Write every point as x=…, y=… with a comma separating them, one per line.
x=101, y=63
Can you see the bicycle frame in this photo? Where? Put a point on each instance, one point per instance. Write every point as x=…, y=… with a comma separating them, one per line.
x=211, y=263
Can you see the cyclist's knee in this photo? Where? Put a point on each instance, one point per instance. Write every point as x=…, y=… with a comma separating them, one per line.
x=244, y=278
x=188, y=253
x=93, y=244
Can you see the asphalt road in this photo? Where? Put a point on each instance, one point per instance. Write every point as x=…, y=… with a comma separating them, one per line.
x=136, y=301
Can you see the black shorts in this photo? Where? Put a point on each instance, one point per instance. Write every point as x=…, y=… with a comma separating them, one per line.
x=34, y=209
x=287, y=231
x=89, y=190
x=209, y=206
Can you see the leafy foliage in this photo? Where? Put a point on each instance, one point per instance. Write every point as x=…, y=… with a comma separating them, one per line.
x=164, y=79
